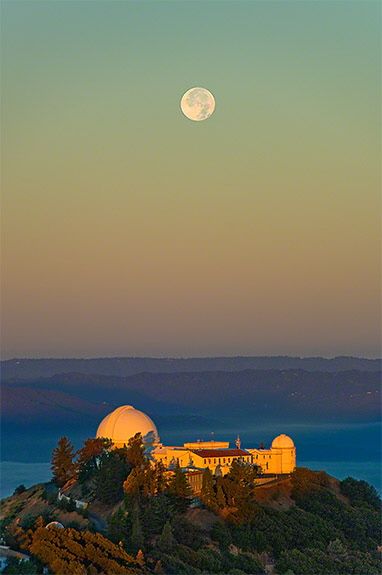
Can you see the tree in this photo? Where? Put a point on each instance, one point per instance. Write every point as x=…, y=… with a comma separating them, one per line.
x=63, y=467
x=186, y=533
x=161, y=481
x=337, y=550
x=136, y=451
x=20, y=489
x=17, y=566
x=166, y=541
x=137, y=540
x=207, y=494
x=360, y=492
x=221, y=533
x=240, y=486
x=111, y=474
x=180, y=489
x=220, y=497
x=157, y=511
x=88, y=456
x=116, y=526
x=39, y=522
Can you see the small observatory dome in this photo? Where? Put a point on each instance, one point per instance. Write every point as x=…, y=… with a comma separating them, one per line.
x=124, y=422
x=55, y=524
x=282, y=441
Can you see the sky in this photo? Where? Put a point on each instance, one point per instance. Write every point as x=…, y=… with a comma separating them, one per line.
x=128, y=229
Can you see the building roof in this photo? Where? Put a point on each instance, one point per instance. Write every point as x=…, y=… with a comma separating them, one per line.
x=220, y=452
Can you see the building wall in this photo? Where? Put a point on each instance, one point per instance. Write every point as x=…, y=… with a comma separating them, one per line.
x=280, y=460
x=222, y=463
x=186, y=458
x=195, y=479
x=274, y=460
x=207, y=445
x=172, y=456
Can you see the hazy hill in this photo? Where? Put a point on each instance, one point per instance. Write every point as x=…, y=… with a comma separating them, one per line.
x=35, y=412
x=45, y=406
x=125, y=366
x=295, y=395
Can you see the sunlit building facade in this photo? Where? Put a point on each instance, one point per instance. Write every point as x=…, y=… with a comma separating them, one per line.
x=125, y=421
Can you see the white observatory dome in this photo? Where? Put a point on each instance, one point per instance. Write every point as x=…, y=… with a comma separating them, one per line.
x=282, y=442
x=124, y=422
x=55, y=524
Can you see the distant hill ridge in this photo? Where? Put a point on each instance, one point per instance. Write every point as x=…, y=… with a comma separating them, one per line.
x=126, y=366
x=270, y=394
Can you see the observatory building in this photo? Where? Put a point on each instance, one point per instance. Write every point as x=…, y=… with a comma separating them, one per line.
x=125, y=421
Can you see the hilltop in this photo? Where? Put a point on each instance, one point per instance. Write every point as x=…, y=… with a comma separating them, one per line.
x=306, y=523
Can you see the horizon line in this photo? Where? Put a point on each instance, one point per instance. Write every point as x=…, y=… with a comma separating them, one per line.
x=187, y=358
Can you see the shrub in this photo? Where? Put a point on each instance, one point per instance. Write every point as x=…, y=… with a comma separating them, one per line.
x=19, y=489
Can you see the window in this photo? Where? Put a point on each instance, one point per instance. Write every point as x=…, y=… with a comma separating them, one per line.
x=219, y=460
x=205, y=461
x=209, y=461
x=214, y=460
x=223, y=459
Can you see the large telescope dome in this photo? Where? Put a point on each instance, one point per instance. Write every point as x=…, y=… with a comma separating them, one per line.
x=282, y=441
x=124, y=422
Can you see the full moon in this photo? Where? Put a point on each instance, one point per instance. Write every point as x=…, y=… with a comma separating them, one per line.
x=197, y=104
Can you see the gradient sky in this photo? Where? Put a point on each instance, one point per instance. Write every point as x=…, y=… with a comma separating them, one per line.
x=129, y=230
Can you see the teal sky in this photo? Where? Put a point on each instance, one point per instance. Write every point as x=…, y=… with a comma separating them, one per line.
x=128, y=229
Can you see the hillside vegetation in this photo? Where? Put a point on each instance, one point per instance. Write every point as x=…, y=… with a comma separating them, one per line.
x=309, y=523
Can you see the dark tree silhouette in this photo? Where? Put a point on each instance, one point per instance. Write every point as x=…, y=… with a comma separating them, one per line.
x=63, y=467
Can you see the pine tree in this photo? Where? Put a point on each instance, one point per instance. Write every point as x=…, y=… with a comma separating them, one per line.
x=157, y=511
x=116, y=527
x=166, y=541
x=179, y=485
x=110, y=478
x=136, y=451
x=160, y=477
x=137, y=539
x=207, y=494
x=63, y=467
x=180, y=490
x=221, y=533
x=220, y=497
x=88, y=455
x=133, y=483
x=241, y=483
